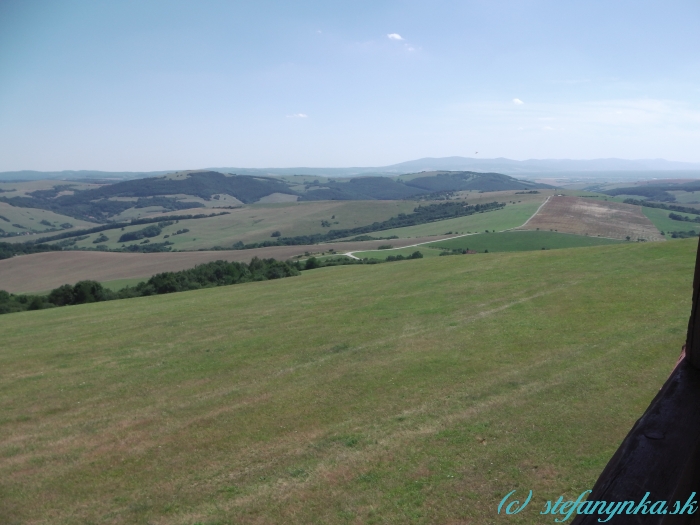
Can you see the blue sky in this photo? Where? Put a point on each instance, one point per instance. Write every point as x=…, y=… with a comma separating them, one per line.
x=150, y=85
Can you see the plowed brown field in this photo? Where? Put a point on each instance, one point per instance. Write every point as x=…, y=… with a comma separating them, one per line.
x=44, y=271
x=595, y=218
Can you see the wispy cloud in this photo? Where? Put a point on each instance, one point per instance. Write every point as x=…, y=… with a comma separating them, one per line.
x=394, y=36
x=298, y=115
x=518, y=102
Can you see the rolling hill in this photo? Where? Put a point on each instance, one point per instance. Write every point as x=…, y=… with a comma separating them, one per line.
x=188, y=190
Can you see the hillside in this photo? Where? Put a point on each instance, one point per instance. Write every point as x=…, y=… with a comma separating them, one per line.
x=106, y=201
x=660, y=191
x=412, y=392
x=468, y=181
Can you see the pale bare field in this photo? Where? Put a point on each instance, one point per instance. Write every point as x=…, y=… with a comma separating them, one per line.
x=48, y=270
x=592, y=217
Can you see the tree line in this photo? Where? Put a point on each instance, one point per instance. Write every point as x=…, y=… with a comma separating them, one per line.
x=420, y=215
x=208, y=275
x=661, y=206
x=218, y=273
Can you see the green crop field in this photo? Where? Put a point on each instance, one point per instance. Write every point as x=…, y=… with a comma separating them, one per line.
x=413, y=392
x=522, y=241
x=660, y=219
x=516, y=241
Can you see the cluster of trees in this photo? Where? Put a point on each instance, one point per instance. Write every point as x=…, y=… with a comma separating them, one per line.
x=420, y=215
x=312, y=262
x=683, y=235
x=458, y=251
x=677, y=217
x=8, y=250
x=151, y=247
x=414, y=255
x=154, y=230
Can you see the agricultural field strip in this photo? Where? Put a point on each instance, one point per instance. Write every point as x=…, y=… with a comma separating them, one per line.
x=45, y=271
x=350, y=254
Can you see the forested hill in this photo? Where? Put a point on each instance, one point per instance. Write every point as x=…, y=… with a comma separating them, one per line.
x=187, y=190
x=470, y=180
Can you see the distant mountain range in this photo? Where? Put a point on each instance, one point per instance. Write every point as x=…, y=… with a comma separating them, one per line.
x=528, y=168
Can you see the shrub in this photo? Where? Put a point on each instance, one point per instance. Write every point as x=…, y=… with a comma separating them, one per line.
x=311, y=264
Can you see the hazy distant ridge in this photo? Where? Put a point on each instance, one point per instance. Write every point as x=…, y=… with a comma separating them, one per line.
x=501, y=165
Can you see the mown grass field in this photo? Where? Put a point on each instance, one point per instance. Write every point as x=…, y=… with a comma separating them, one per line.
x=414, y=392
x=518, y=241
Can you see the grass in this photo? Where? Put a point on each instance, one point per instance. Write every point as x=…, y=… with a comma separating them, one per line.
x=414, y=392
x=257, y=223
x=30, y=219
x=518, y=241
x=660, y=219
x=511, y=216
x=522, y=241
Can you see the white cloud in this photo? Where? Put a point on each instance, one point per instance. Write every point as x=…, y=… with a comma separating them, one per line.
x=518, y=102
x=409, y=48
x=298, y=115
x=394, y=36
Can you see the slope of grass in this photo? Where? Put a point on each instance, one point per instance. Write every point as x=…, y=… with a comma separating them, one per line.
x=414, y=392
x=512, y=216
x=517, y=241
x=257, y=223
x=522, y=241
x=660, y=219
x=30, y=220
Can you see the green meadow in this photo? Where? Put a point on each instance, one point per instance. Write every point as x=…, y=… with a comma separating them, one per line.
x=256, y=223
x=660, y=219
x=419, y=391
x=516, y=241
x=512, y=216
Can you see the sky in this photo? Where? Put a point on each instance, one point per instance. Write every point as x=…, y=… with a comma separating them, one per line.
x=169, y=84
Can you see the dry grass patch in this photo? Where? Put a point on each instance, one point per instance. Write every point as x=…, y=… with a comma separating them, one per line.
x=594, y=218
